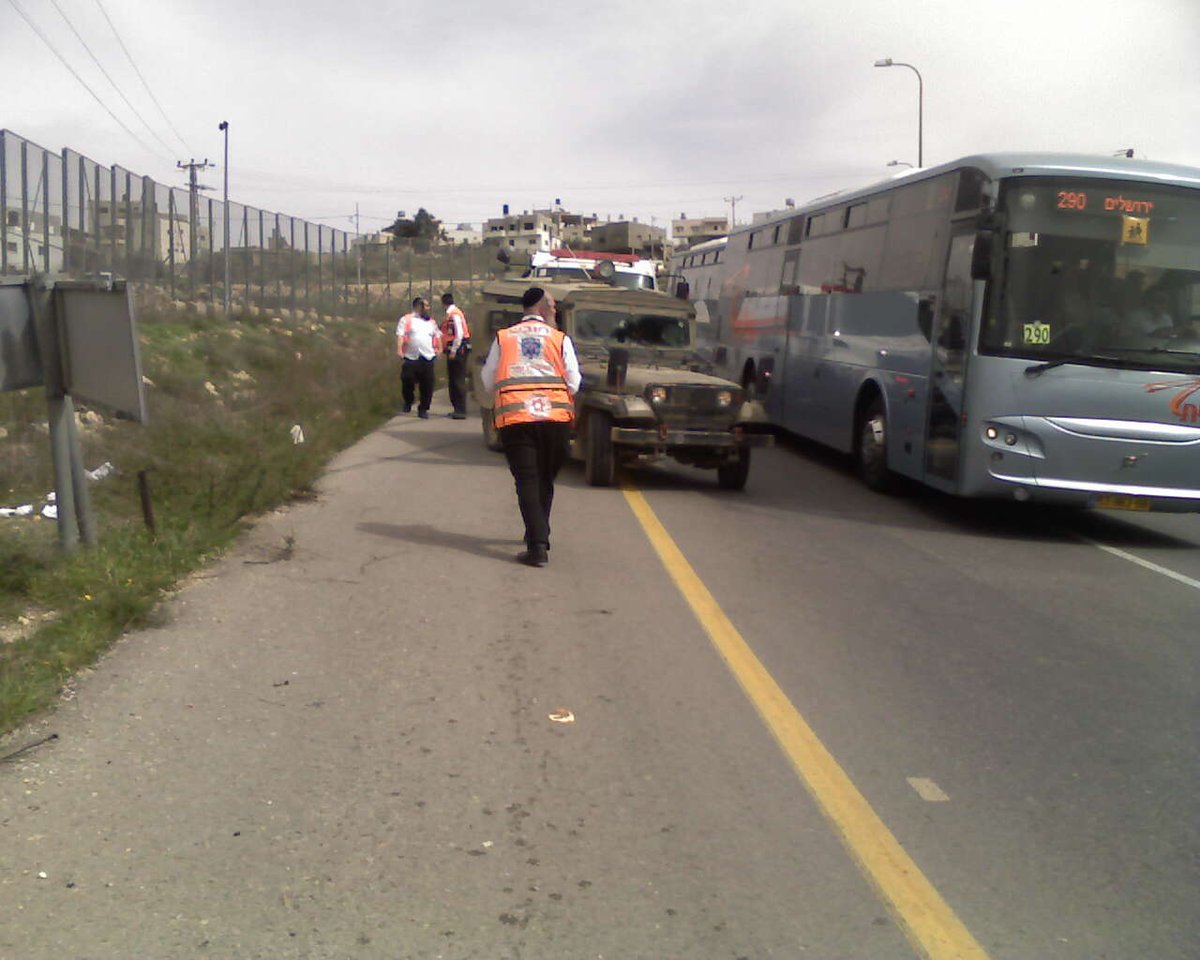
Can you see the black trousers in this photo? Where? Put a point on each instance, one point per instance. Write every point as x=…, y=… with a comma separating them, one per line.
x=414, y=373
x=456, y=378
x=535, y=453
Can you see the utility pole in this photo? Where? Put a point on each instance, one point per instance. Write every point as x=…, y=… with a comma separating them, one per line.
x=733, y=202
x=358, y=243
x=194, y=188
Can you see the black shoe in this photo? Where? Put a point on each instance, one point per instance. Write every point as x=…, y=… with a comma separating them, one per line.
x=423, y=414
x=535, y=556
x=458, y=415
x=408, y=408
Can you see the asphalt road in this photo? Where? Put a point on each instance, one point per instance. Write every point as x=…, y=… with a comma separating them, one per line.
x=348, y=751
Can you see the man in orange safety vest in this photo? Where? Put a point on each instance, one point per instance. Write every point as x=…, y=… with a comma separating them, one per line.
x=456, y=340
x=534, y=375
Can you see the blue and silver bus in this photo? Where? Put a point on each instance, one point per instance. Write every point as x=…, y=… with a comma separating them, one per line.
x=1009, y=325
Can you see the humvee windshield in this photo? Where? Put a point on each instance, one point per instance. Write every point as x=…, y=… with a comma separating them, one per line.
x=639, y=329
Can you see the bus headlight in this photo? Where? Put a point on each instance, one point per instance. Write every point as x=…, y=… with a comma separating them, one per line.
x=724, y=398
x=656, y=394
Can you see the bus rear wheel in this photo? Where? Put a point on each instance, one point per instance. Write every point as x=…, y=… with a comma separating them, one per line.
x=872, y=447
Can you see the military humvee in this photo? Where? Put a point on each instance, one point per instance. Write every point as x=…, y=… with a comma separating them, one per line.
x=645, y=393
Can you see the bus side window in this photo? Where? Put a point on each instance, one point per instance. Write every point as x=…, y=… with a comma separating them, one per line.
x=789, y=282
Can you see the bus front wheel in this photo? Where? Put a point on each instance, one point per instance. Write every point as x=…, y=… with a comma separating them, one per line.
x=872, y=447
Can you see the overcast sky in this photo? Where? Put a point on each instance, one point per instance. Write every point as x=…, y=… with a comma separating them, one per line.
x=647, y=109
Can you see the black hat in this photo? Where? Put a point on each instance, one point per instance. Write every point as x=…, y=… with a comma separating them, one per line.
x=532, y=296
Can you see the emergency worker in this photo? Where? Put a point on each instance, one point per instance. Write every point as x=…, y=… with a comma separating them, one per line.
x=456, y=336
x=533, y=373
x=418, y=342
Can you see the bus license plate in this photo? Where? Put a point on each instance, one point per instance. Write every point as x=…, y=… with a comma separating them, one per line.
x=1115, y=501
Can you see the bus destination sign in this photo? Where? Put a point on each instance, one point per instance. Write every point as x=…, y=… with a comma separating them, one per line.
x=1135, y=214
x=1079, y=200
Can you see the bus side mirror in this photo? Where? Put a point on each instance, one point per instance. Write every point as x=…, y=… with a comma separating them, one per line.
x=682, y=289
x=981, y=255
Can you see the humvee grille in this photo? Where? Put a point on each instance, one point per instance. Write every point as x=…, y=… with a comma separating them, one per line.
x=695, y=406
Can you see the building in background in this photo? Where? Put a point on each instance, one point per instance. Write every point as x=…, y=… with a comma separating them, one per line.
x=524, y=231
x=630, y=236
x=766, y=215
x=689, y=231
x=130, y=228
x=462, y=233
x=36, y=245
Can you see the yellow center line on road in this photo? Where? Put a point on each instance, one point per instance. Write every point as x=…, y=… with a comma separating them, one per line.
x=931, y=926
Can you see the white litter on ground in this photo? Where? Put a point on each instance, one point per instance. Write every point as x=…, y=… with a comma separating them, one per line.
x=49, y=508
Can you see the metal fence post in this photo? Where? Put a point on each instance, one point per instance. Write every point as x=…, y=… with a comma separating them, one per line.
x=262, y=264
x=171, y=238
x=94, y=185
x=65, y=219
x=346, y=271
x=131, y=264
x=292, y=262
x=3, y=202
x=212, y=255
x=25, y=258
x=112, y=218
x=45, y=212
x=249, y=258
x=149, y=241
x=278, y=266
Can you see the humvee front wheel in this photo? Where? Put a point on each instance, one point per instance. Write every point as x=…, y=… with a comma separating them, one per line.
x=599, y=460
x=491, y=436
x=733, y=476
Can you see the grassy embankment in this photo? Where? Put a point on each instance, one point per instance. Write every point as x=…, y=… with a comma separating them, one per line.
x=222, y=397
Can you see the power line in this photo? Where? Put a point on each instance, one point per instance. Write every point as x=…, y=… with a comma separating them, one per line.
x=34, y=27
x=129, y=57
x=108, y=77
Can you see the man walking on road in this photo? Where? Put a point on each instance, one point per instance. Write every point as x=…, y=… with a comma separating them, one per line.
x=418, y=342
x=534, y=374
x=456, y=336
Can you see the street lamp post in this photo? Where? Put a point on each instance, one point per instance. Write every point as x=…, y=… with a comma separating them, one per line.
x=889, y=62
x=224, y=128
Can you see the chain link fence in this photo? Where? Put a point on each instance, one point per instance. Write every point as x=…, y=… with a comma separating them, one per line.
x=66, y=214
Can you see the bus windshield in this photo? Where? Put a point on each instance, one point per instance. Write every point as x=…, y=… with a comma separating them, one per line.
x=642, y=330
x=1098, y=271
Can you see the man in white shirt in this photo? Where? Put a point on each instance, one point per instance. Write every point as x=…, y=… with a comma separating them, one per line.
x=418, y=342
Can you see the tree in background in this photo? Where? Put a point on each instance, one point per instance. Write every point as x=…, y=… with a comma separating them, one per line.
x=420, y=232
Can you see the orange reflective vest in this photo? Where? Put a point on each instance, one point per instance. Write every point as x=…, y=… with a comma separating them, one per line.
x=453, y=311
x=531, y=378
